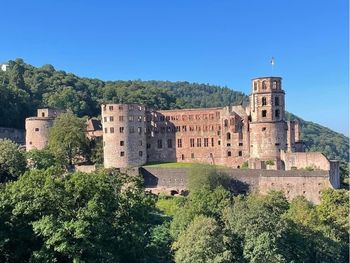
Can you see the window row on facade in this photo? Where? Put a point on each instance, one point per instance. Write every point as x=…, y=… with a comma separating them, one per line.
x=130, y=118
x=122, y=130
x=122, y=107
x=276, y=113
x=264, y=83
x=276, y=101
x=184, y=117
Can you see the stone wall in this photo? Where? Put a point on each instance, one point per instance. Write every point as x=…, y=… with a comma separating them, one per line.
x=302, y=160
x=37, y=132
x=291, y=183
x=15, y=135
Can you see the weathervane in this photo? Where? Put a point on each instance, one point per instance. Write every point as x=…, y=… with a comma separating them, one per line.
x=272, y=64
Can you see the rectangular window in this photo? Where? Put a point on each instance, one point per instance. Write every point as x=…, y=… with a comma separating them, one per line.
x=131, y=118
x=160, y=144
x=192, y=155
x=170, y=143
x=131, y=129
x=140, y=153
x=105, y=119
x=139, y=130
x=184, y=128
x=219, y=142
x=140, y=143
x=277, y=113
x=121, y=143
x=139, y=118
x=277, y=101
x=110, y=107
x=240, y=153
x=206, y=142
x=120, y=107
x=178, y=128
x=122, y=154
x=191, y=142
x=121, y=118
x=212, y=142
x=240, y=144
x=121, y=129
x=263, y=113
x=148, y=145
x=106, y=130
x=111, y=118
x=111, y=130
x=199, y=142
x=179, y=143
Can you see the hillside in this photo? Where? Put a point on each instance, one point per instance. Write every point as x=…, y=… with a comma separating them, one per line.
x=24, y=88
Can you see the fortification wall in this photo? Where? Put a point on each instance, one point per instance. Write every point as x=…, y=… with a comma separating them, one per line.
x=15, y=135
x=292, y=183
x=301, y=160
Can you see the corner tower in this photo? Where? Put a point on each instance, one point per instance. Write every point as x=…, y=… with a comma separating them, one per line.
x=124, y=135
x=268, y=128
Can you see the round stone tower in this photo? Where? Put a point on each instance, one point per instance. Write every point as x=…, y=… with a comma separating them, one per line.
x=124, y=135
x=268, y=128
x=37, y=128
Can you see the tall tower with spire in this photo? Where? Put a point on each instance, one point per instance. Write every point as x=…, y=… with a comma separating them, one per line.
x=268, y=128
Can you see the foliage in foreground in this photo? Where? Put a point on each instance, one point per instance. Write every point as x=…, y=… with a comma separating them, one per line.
x=48, y=216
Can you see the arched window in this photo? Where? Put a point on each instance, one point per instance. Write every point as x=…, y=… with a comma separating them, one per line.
x=274, y=84
x=264, y=84
x=228, y=136
x=263, y=101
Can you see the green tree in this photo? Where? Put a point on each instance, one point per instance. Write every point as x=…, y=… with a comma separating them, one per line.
x=202, y=242
x=40, y=159
x=12, y=161
x=97, y=217
x=67, y=139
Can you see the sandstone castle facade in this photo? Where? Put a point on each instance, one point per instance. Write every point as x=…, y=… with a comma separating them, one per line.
x=256, y=136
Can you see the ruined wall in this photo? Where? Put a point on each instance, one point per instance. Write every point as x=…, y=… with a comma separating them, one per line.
x=301, y=160
x=15, y=135
x=213, y=135
x=124, y=138
x=292, y=183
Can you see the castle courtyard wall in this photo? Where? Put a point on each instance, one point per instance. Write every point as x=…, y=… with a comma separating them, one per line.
x=15, y=135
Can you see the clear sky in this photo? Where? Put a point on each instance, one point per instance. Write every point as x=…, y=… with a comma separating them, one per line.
x=224, y=42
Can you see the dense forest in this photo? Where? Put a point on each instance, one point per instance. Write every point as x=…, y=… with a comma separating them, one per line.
x=24, y=88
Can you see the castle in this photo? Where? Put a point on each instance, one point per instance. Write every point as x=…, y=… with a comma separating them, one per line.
x=256, y=135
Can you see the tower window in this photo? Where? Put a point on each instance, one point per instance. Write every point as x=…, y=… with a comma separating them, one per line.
x=274, y=84
x=140, y=153
x=170, y=143
x=240, y=153
x=277, y=101
x=263, y=129
x=36, y=129
x=122, y=154
x=229, y=154
x=43, y=114
x=264, y=84
x=228, y=136
x=121, y=143
x=160, y=144
x=277, y=113
x=255, y=86
x=263, y=101
x=263, y=113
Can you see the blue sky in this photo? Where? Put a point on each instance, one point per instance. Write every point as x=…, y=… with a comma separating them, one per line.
x=225, y=42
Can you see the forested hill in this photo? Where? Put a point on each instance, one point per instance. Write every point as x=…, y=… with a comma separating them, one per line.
x=24, y=88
